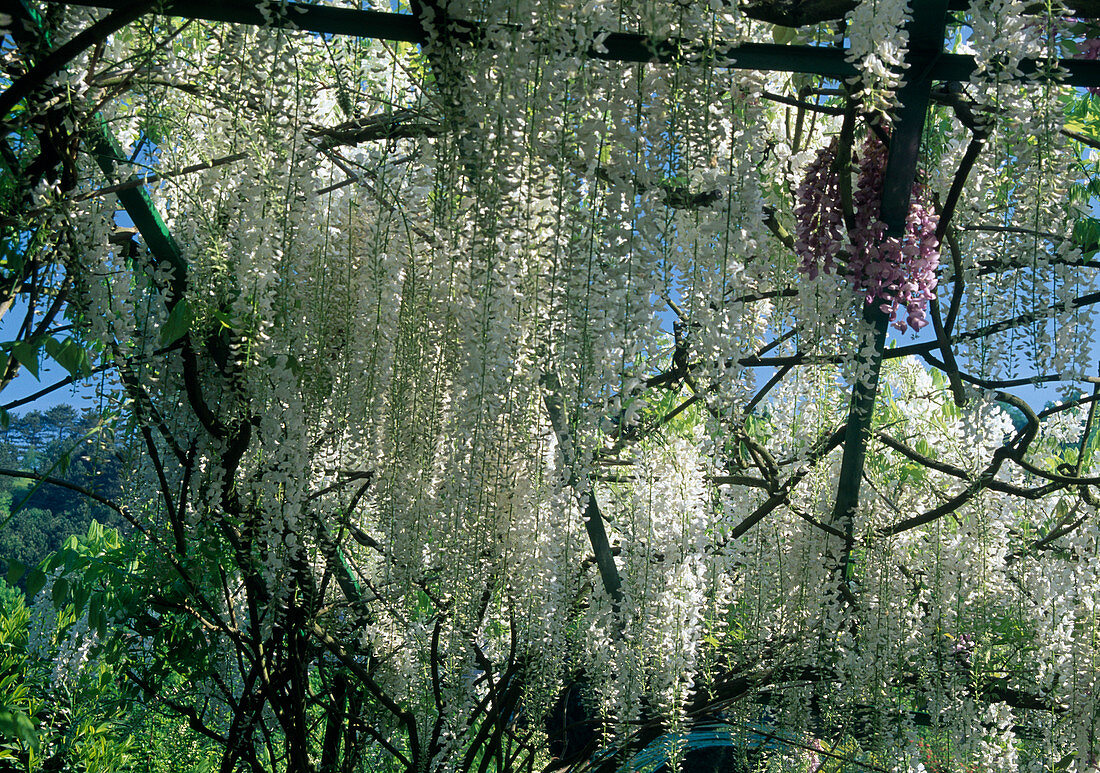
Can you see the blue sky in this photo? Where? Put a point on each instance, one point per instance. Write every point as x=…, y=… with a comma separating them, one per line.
x=25, y=384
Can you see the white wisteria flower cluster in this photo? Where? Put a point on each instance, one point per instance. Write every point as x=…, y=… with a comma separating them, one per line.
x=877, y=42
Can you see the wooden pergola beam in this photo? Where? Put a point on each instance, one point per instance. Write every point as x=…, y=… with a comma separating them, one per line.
x=616, y=47
x=800, y=13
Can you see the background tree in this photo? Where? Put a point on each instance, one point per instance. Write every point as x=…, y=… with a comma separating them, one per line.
x=39, y=518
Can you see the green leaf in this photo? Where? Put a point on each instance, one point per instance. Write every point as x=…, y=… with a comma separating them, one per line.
x=155, y=130
x=1086, y=233
x=16, y=724
x=71, y=356
x=13, y=261
x=36, y=580
x=70, y=553
x=60, y=592
x=783, y=35
x=80, y=596
x=1064, y=763
x=16, y=570
x=177, y=324
x=1076, y=126
x=26, y=354
x=97, y=616
x=225, y=320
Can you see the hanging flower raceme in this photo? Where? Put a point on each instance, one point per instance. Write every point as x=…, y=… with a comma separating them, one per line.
x=818, y=214
x=895, y=271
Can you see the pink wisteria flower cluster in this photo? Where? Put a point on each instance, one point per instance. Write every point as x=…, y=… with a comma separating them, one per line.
x=898, y=272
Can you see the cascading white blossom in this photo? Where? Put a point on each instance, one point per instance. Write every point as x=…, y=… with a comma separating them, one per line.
x=450, y=301
x=877, y=42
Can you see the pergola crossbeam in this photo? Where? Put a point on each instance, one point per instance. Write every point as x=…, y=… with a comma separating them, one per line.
x=633, y=47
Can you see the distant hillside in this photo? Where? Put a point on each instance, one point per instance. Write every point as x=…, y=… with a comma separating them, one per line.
x=62, y=443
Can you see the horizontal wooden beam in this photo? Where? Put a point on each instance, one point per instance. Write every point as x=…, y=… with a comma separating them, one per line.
x=616, y=47
x=801, y=13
